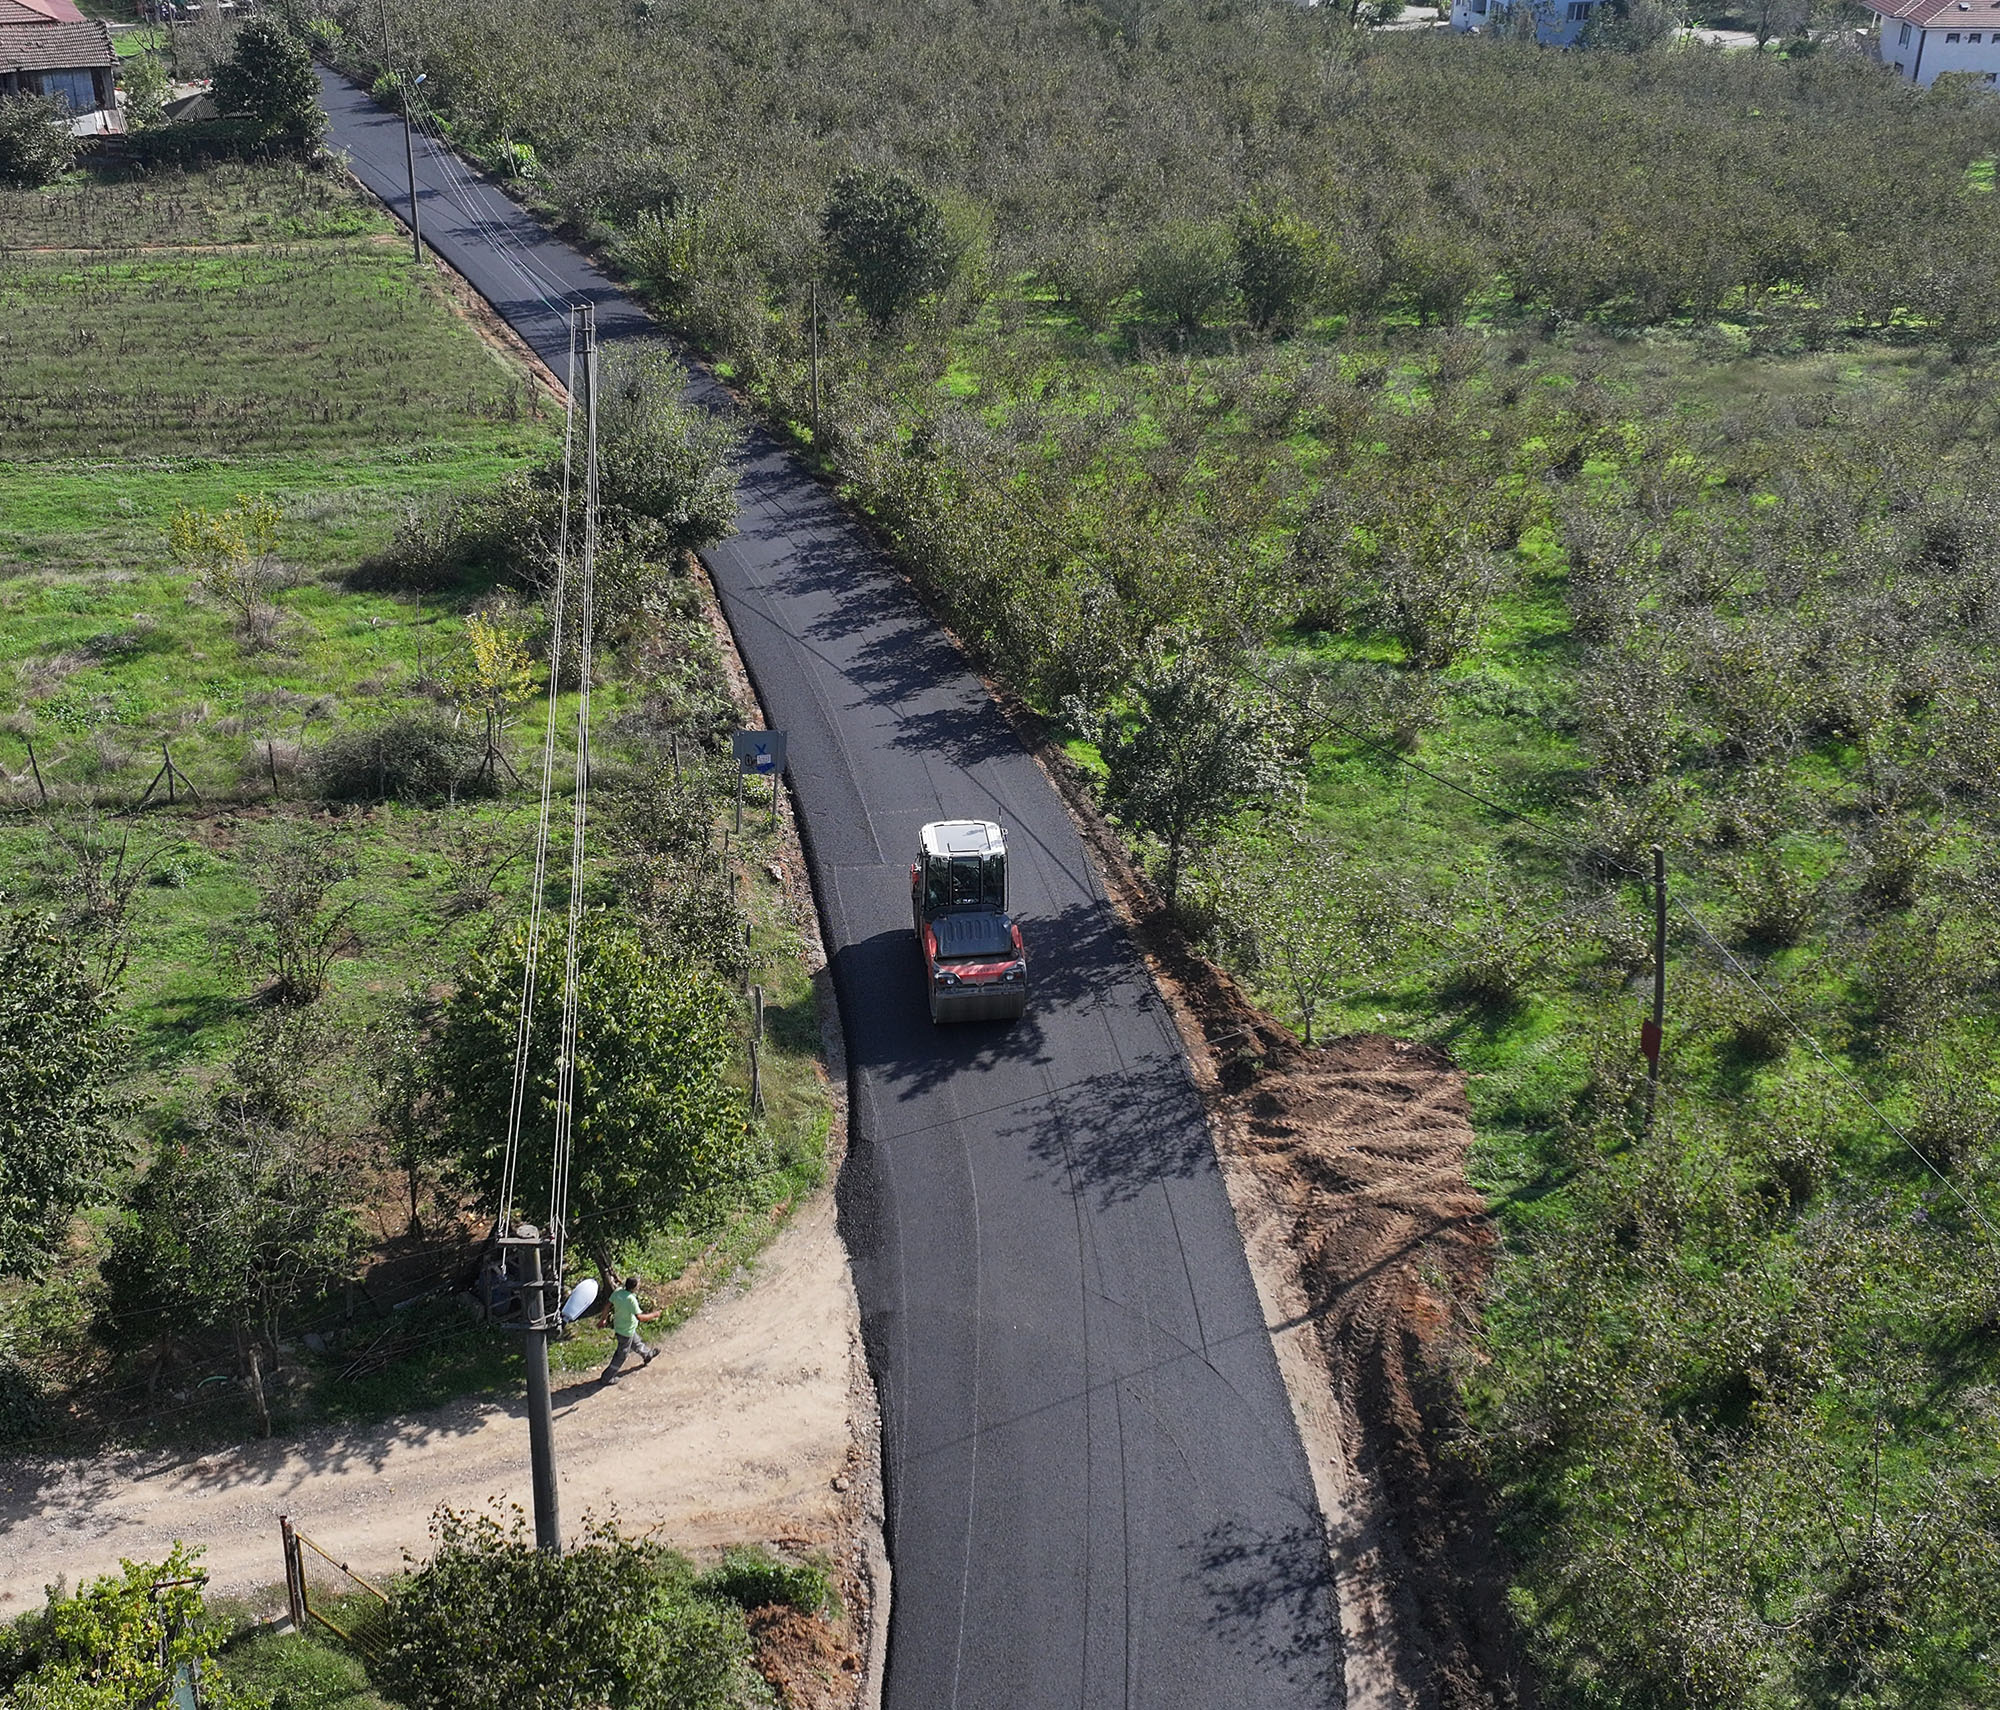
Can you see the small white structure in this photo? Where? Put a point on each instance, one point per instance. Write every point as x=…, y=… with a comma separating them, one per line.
x=1921, y=40
x=1558, y=23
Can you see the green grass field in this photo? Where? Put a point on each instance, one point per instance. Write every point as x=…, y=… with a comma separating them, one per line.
x=180, y=341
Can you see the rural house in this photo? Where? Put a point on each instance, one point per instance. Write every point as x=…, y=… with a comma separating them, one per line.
x=1558, y=23
x=69, y=60
x=1924, y=39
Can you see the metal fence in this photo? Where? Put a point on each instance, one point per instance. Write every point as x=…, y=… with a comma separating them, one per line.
x=325, y=1591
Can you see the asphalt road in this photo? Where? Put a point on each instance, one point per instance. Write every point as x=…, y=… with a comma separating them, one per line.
x=1096, y=1493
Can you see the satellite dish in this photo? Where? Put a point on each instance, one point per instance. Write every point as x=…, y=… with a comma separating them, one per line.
x=580, y=1299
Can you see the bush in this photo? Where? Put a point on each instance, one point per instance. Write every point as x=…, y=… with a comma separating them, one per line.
x=1187, y=272
x=491, y=1623
x=36, y=147
x=418, y=756
x=751, y=1577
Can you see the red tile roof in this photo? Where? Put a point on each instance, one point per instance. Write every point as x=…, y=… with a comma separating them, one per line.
x=55, y=47
x=39, y=12
x=1926, y=14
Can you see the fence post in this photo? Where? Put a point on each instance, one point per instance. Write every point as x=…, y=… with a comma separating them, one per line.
x=295, y=1578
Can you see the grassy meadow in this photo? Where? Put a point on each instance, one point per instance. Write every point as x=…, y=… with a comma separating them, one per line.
x=178, y=342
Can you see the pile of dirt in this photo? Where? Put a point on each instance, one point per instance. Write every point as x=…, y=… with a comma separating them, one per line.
x=1346, y=1165
x=1359, y=1150
x=810, y=1663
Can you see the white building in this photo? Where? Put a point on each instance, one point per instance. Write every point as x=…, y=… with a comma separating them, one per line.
x=1924, y=39
x=1558, y=23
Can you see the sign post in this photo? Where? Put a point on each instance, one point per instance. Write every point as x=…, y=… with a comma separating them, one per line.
x=761, y=752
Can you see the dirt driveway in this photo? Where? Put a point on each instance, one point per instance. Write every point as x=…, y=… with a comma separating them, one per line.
x=755, y=1423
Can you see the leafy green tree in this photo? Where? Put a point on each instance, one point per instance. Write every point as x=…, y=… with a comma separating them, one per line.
x=238, y=1221
x=146, y=84
x=36, y=147
x=1187, y=271
x=269, y=79
x=58, y=1053
x=1316, y=923
x=889, y=241
x=102, y=1648
x=657, y=1129
x=1281, y=261
x=1188, y=753
x=667, y=469
x=491, y=1623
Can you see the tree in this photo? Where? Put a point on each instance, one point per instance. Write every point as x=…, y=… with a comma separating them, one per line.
x=1187, y=271
x=1281, y=261
x=491, y=1623
x=147, y=85
x=1315, y=923
x=104, y=1648
x=888, y=240
x=58, y=1053
x=269, y=79
x=1186, y=754
x=657, y=1130
x=36, y=146
x=233, y=555
x=489, y=675
x=239, y=1220
x=299, y=928
x=667, y=469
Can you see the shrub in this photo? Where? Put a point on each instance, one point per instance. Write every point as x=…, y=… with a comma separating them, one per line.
x=36, y=147
x=418, y=756
x=491, y=1623
x=1187, y=272
x=752, y=1577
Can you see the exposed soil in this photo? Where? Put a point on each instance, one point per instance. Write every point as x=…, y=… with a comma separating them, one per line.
x=1346, y=1164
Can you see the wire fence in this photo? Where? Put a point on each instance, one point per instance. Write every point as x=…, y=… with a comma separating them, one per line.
x=323, y=1591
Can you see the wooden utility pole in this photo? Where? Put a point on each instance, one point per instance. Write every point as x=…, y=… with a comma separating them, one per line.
x=1652, y=1033
x=815, y=362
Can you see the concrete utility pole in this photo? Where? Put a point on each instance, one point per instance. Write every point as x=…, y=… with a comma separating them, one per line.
x=406, y=89
x=410, y=161
x=542, y=1321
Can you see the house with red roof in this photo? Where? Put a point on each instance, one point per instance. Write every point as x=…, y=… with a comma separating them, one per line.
x=68, y=59
x=1924, y=39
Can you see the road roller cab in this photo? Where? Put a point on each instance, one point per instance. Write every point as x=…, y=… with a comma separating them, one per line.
x=975, y=967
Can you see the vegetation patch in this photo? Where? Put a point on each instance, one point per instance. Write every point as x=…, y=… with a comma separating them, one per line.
x=265, y=814
x=1477, y=527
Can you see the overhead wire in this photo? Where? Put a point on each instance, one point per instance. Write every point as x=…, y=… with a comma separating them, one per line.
x=579, y=816
x=464, y=194
x=524, y=1021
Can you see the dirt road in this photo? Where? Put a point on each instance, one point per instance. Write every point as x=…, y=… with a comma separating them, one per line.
x=740, y=1430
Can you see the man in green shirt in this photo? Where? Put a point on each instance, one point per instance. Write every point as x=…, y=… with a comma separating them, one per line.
x=626, y=1318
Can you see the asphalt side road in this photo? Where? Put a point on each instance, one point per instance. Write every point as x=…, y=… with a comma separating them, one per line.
x=1096, y=1492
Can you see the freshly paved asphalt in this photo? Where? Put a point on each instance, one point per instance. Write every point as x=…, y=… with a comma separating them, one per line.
x=1096, y=1493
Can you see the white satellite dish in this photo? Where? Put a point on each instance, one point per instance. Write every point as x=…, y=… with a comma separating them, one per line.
x=580, y=1299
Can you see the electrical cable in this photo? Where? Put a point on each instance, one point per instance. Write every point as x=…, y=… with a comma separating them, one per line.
x=460, y=189
x=566, y=1062
x=524, y=1021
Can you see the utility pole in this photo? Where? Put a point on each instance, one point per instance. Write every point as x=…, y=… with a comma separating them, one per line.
x=815, y=362
x=540, y=1324
x=410, y=162
x=1651, y=1034
x=407, y=89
